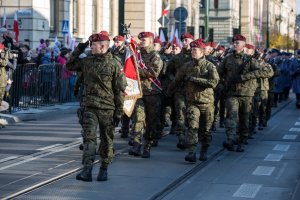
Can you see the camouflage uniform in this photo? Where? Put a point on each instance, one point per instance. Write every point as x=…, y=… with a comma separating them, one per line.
x=146, y=114
x=260, y=99
x=3, y=78
x=178, y=97
x=240, y=84
x=120, y=53
x=166, y=106
x=103, y=101
x=200, y=78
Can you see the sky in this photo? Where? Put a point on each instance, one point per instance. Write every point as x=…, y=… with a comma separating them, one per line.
x=298, y=6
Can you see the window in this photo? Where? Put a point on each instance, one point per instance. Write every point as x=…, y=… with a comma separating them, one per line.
x=201, y=32
x=211, y=35
x=54, y=10
x=75, y=16
x=94, y=13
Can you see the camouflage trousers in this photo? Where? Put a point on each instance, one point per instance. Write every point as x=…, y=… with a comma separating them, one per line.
x=146, y=117
x=199, y=119
x=166, y=111
x=238, y=111
x=2, y=93
x=269, y=105
x=263, y=107
x=91, y=119
x=180, y=109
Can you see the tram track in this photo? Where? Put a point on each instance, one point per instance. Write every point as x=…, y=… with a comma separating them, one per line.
x=159, y=195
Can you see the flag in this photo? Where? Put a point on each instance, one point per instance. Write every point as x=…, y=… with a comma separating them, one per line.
x=69, y=40
x=166, y=8
x=56, y=39
x=176, y=39
x=4, y=19
x=133, y=89
x=16, y=27
x=162, y=37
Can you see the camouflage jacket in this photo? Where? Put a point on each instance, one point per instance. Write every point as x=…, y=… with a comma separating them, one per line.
x=163, y=76
x=154, y=64
x=232, y=69
x=103, y=81
x=3, y=63
x=200, y=77
x=175, y=63
x=263, y=83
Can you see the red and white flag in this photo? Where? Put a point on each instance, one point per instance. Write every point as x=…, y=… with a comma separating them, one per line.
x=4, y=19
x=176, y=39
x=166, y=8
x=16, y=26
x=162, y=37
x=133, y=89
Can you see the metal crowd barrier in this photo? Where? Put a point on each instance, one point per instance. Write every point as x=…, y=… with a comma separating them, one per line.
x=35, y=86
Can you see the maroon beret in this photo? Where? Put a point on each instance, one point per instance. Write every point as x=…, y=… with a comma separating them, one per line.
x=211, y=44
x=221, y=48
x=186, y=35
x=238, y=37
x=145, y=34
x=250, y=46
x=119, y=38
x=198, y=44
x=157, y=40
x=104, y=33
x=99, y=37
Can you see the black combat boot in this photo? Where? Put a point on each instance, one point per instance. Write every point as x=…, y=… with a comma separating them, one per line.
x=240, y=146
x=203, y=156
x=130, y=142
x=85, y=174
x=102, y=176
x=181, y=145
x=81, y=147
x=203, y=152
x=191, y=157
x=154, y=143
x=146, y=151
x=135, y=150
x=228, y=145
x=213, y=126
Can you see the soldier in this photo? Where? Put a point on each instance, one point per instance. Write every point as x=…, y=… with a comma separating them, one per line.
x=200, y=77
x=295, y=74
x=239, y=73
x=118, y=49
x=146, y=114
x=104, y=85
x=179, y=102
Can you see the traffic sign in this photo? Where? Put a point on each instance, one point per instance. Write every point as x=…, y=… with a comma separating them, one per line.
x=163, y=20
x=180, y=14
x=65, y=26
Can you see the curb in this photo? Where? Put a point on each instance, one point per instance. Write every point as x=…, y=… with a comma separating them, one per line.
x=41, y=113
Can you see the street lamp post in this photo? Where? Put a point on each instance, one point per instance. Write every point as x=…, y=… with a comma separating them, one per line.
x=268, y=33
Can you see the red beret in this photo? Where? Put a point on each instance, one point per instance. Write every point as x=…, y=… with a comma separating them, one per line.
x=198, y=44
x=119, y=38
x=102, y=36
x=167, y=44
x=186, y=35
x=238, y=37
x=2, y=46
x=104, y=33
x=211, y=44
x=157, y=40
x=250, y=46
x=221, y=48
x=145, y=34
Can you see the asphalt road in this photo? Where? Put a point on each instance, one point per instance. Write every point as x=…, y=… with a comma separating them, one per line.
x=34, y=153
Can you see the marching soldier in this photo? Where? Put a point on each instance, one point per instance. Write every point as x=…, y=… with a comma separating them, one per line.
x=178, y=97
x=104, y=86
x=200, y=77
x=146, y=114
x=240, y=74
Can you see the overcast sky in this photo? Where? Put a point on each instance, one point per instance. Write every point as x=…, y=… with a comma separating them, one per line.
x=298, y=6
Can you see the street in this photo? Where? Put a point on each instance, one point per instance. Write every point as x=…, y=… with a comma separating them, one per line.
x=39, y=160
